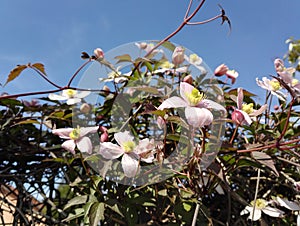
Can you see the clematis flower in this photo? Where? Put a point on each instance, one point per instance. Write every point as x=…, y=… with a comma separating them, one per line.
x=244, y=113
x=130, y=151
x=272, y=85
x=195, y=105
x=224, y=70
x=72, y=96
x=178, y=55
x=261, y=205
x=76, y=137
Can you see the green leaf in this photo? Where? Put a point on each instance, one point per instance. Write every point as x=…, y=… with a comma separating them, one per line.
x=40, y=67
x=15, y=73
x=78, y=213
x=28, y=121
x=147, y=89
x=96, y=213
x=163, y=192
x=76, y=201
x=123, y=58
x=266, y=160
x=116, y=209
x=187, y=206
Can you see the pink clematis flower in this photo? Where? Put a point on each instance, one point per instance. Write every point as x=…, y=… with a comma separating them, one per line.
x=224, y=70
x=195, y=105
x=72, y=96
x=244, y=113
x=130, y=151
x=99, y=54
x=76, y=137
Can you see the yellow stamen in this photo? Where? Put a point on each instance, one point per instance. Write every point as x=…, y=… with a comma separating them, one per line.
x=295, y=82
x=275, y=85
x=194, y=57
x=259, y=204
x=166, y=64
x=70, y=92
x=75, y=134
x=128, y=146
x=195, y=97
x=248, y=108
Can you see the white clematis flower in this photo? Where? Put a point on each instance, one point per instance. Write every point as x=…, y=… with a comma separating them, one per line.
x=72, y=96
x=130, y=151
x=272, y=85
x=76, y=137
x=261, y=205
x=195, y=105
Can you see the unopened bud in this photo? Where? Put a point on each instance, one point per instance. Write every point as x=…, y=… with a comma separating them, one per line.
x=178, y=55
x=188, y=79
x=104, y=137
x=85, y=108
x=237, y=117
x=99, y=53
x=279, y=65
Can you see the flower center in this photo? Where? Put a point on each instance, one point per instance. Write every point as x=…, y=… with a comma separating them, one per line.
x=195, y=97
x=295, y=82
x=260, y=203
x=128, y=146
x=166, y=64
x=194, y=58
x=75, y=134
x=69, y=93
x=275, y=85
x=248, y=108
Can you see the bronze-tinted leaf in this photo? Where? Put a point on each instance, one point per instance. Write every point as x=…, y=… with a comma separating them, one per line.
x=40, y=67
x=123, y=58
x=266, y=160
x=15, y=73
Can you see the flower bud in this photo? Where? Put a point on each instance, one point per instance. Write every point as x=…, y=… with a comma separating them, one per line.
x=237, y=117
x=178, y=55
x=279, y=65
x=232, y=74
x=85, y=108
x=99, y=53
x=221, y=70
x=188, y=79
x=106, y=90
x=142, y=45
x=102, y=129
x=104, y=137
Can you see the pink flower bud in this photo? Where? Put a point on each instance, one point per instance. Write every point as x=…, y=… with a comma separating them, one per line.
x=99, y=53
x=237, y=117
x=178, y=55
x=188, y=79
x=102, y=129
x=221, y=70
x=104, y=137
x=85, y=108
x=232, y=74
x=279, y=65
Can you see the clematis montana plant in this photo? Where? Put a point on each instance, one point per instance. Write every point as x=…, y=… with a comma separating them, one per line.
x=72, y=96
x=76, y=137
x=195, y=104
x=131, y=152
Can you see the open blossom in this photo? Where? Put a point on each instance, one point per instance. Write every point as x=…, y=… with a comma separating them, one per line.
x=272, y=85
x=130, y=151
x=76, y=137
x=244, y=113
x=72, y=96
x=195, y=105
x=224, y=70
x=261, y=205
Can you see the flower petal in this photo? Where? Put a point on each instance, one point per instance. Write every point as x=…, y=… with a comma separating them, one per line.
x=122, y=137
x=288, y=204
x=85, y=130
x=82, y=94
x=247, y=119
x=130, y=165
x=84, y=144
x=185, y=88
x=69, y=145
x=72, y=101
x=110, y=151
x=53, y=96
x=198, y=117
x=273, y=212
x=259, y=111
x=173, y=102
x=240, y=98
x=63, y=132
x=213, y=105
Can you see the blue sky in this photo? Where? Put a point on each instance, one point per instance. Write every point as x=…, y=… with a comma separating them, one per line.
x=56, y=32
